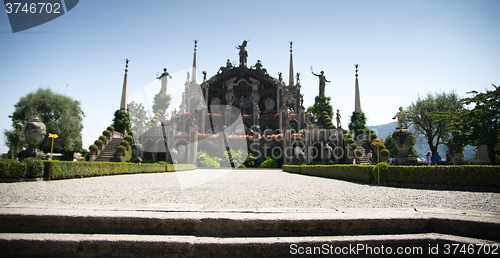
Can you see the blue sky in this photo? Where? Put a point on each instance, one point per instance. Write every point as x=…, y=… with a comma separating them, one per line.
x=404, y=49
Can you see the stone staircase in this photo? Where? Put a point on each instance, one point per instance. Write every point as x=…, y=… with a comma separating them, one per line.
x=269, y=233
x=363, y=146
x=108, y=154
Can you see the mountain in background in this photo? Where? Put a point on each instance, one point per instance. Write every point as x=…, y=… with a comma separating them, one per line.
x=421, y=146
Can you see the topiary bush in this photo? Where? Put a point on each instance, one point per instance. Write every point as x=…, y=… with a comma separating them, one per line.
x=373, y=136
x=348, y=136
x=358, y=153
x=132, y=133
x=349, y=141
x=11, y=168
x=93, y=147
x=110, y=128
x=384, y=169
x=103, y=138
x=98, y=143
x=353, y=146
x=106, y=133
x=84, y=152
x=384, y=152
x=129, y=138
x=124, y=143
x=120, y=148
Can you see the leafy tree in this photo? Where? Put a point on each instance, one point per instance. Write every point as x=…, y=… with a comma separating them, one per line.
x=14, y=139
x=322, y=103
x=358, y=123
x=479, y=125
x=121, y=121
x=161, y=102
x=419, y=114
x=134, y=113
x=60, y=114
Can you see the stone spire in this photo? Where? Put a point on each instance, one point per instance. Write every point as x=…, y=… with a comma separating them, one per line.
x=357, y=103
x=290, y=76
x=123, y=105
x=193, y=73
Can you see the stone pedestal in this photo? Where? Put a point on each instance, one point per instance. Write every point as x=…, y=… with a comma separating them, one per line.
x=403, y=139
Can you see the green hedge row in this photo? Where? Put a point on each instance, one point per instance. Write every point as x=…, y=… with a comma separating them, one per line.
x=69, y=169
x=468, y=175
x=28, y=168
x=358, y=173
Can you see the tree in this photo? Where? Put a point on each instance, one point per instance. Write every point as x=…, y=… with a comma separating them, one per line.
x=134, y=113
x=322, y=103
x=161, y=102
x=358, y=123
x=121, y=121
x=420, y=117
x=60, y=114
x=479, y=125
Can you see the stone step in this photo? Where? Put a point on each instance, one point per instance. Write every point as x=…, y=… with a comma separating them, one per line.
x=112, y=245
x=161, y=232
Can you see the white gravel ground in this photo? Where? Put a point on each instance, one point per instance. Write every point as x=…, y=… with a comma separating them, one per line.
x=237, y=189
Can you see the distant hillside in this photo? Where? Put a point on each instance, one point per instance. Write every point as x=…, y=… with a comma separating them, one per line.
x=422, y=147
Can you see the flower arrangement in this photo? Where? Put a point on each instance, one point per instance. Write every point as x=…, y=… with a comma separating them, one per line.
x=269, y=115
x=181, y=133
x=298, y=134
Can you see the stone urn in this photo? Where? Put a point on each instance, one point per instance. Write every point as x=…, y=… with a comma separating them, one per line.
x=34, y=134
x=403, y=139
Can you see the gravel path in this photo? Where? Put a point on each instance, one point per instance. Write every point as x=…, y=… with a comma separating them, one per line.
x=237, y=189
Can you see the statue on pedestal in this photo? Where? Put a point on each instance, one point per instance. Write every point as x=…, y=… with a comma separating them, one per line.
x=163, y=79
x=338, y=118
x=243, y=53
x=401, y=116
x=322, y=82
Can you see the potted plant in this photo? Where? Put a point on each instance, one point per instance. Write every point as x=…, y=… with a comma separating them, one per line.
x=99, y=144
x=111, y=129
x=103, y=138
x=106, y=133
x=120, y=150
x=384, y=155
x=93, y=149
x=124, y=143
x=129, y=138
x=358, y=154
x=373, y=136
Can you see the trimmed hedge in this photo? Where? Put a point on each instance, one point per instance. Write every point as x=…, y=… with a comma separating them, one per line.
x=69, y=169
x=28, y=168
x=358, y=173
x=467, y=175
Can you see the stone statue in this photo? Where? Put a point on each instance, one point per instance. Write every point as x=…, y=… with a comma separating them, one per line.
x=322, y=82
x=280, y=76
x=298, y=78
x=338, y=118
x=301, y=100
x=230, y=95
x=187, y=79
x=255, y=97
x=308, y=118
x=229, y=65
x=163, y=79
x=243, y=107
x=243, y=53
x=204, y=76
x=401, y=116
x=299, y=155
x=327, y=154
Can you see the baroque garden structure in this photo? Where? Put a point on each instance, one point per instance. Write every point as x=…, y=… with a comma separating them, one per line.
x=241, y=108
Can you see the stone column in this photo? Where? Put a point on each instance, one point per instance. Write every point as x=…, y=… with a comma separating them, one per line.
x=278, y=95
x=287, y=147
x=201, y=111
x=340, y=145
x=193, y=144
x=302, y=112
x=282, y=111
